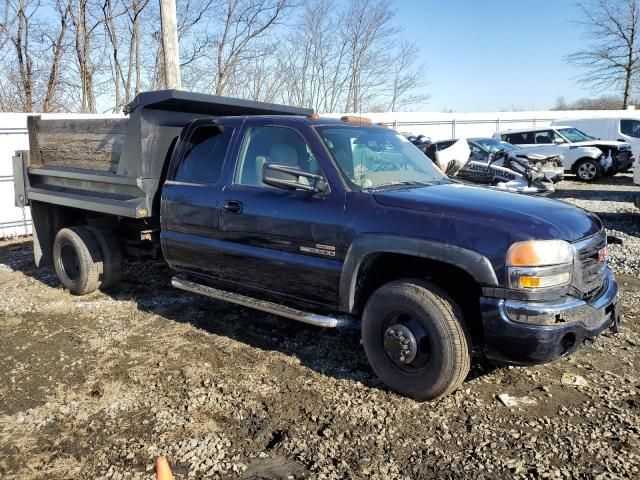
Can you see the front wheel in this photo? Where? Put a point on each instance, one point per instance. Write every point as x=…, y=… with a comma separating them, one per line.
x=588, y=170
x=414, y=339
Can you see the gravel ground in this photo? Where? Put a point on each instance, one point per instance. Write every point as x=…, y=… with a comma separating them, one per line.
x=98, y=386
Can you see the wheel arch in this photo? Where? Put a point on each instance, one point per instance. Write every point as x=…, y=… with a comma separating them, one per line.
x=376, y=259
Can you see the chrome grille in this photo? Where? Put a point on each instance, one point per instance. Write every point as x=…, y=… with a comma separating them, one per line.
x=590, y=273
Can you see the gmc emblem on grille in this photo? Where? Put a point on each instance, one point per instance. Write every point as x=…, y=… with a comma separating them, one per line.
x=602, y=255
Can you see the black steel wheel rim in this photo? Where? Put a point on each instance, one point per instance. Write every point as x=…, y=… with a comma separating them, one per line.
x=412, y=355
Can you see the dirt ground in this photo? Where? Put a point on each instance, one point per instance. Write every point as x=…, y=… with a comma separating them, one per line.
x=98, y=386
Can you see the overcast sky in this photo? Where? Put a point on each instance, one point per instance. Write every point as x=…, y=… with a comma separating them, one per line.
x=487, y=55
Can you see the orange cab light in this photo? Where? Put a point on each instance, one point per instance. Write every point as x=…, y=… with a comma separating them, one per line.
x=313, y=116
x=356, y=120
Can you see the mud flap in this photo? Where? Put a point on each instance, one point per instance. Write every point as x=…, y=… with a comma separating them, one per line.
x=616, y=317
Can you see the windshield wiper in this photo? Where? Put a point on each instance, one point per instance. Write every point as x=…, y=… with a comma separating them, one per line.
x=403, y=183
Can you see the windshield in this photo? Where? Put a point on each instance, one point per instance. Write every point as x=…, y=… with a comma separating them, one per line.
x=574, y=135
x=370, y=157
x=492, y=145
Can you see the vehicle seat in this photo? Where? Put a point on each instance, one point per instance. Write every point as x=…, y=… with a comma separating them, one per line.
x=279, y=154
x=543, y=138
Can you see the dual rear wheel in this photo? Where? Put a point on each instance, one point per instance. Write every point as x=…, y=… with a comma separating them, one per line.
x=87, y=258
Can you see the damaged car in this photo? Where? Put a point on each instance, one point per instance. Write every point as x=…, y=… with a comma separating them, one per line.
x=490, y=150
x=501, y=168
x=583, y=155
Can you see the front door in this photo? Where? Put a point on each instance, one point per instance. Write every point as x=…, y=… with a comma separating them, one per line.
x=288, y=242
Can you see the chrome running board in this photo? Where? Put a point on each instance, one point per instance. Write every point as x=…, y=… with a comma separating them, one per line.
x=269, y=307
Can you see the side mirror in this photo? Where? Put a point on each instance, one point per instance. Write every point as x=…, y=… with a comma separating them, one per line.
x=559, y=141
x=290, y=178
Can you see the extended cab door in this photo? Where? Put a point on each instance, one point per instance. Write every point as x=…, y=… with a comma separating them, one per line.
x=191, y=196
x=287, y=242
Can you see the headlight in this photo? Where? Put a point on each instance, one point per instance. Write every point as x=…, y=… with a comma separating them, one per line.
x=540, y=264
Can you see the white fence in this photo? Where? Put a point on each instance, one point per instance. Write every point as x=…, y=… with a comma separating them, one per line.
x=444, y=126
x=13, y=136
x=438, y=126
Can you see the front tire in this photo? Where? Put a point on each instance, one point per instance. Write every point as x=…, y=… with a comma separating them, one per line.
x=414, y=338
x=588, y=170
x=77, y=260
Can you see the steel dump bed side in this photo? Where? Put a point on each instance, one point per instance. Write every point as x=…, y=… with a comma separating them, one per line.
x=115, y=166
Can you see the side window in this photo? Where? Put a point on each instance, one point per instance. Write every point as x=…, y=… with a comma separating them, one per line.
x=519, y=138
x=271, y=144
x=202, y=162
x=630, y=127
x=477, y=153
x=545, y=136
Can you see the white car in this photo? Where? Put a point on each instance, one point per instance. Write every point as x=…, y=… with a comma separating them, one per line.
x=621, y=129
x=585, y=156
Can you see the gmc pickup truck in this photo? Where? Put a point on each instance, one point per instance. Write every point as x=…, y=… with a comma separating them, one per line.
x=332, y=222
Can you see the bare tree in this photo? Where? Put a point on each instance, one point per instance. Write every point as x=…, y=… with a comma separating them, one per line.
x=611, y=59
x=346, y=56
x=406, y=77
x=605, y=102
x=86, y=23
x=95, y=55
x=63, y=8
x=245, y=22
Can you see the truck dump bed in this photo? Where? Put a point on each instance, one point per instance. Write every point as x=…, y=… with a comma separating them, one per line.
x=115, y=165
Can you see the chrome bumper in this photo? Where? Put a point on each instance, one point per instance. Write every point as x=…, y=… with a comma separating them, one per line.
x=591, y=315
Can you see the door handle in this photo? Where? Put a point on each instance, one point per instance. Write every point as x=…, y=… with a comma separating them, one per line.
x=233, y=206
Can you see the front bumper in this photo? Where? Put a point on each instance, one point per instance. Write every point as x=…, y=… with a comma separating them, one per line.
x=508, y=338
x=623, y=163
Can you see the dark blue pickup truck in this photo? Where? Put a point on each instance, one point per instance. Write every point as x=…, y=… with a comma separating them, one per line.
x=333, y=222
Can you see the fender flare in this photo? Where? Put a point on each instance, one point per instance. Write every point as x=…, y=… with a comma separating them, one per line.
x=477, y=265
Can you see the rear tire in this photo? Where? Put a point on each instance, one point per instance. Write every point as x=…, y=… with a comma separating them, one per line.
x=111, y=256
x=414, y=338
x=77, y=260
x=588, y=170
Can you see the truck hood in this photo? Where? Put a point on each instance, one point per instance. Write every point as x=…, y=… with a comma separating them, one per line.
x=523, y=216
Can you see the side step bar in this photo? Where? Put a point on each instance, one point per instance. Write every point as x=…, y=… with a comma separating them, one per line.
x=269, y=307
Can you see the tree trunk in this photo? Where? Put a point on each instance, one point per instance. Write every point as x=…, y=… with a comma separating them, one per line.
x=52, y=83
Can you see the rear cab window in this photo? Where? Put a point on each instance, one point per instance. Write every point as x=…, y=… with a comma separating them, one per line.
x=204, y=155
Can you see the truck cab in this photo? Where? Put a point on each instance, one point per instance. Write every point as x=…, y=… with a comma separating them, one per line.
x=341, y=223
